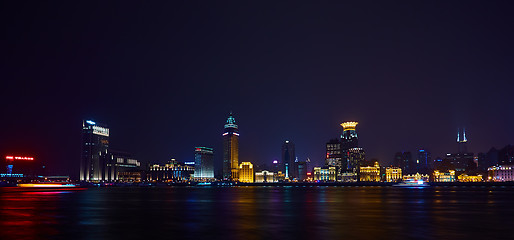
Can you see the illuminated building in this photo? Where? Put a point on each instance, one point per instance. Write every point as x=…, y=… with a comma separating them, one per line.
x=370, y=173
x=416, y=177
x=349, y=138
x=16, y=167
x=265, y=176
x=280, y=176
x=352, y=156
x=448, y=176
x=130, y=176
x=119, y=161
x=204, y=163
x=393, y=174
x=467, y=178
x=288, y=159
x=171, y=171
x=246, y=172
x=324, y=174
x=333, y=153
x=502, y=173
x=231, y=149
x=95, y=146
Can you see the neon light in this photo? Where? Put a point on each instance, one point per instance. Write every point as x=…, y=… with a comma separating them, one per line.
x=90, y=122
x=19, y=158
x=225, y=134
x=237, y=134
x=275, y=162
x=189, y=163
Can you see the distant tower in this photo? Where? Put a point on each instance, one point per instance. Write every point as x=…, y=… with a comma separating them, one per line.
x=231, y=149
x=462, y=142
x=95, y=146
x=288, y=159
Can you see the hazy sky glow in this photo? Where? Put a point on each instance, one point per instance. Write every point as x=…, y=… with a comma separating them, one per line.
x=165, y=75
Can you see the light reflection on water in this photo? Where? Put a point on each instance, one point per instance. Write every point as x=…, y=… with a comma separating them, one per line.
x=258, y=213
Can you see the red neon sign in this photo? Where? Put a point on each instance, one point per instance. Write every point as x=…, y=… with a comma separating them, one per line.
x=19, y=158
x=308, y=174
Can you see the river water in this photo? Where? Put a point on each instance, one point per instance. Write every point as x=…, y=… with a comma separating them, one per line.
x=259, y=213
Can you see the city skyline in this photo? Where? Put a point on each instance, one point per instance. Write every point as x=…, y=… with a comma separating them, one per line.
x=410, y=77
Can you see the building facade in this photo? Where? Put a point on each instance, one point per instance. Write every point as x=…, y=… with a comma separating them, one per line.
x=393, y=174
x=448, y=176
x=204, y=163
x=118, y=162
x=231, y=149
x=265, y=177
x=95, y=149
x=324, y=174
x=502, y=173
x=370, y=173
x=246, y=172
x=468, y=178
x=171, y=172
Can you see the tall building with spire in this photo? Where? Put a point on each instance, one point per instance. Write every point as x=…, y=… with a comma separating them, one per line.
x=288, y=159
x=231, y=149
x=462, y=161
x=462, y=141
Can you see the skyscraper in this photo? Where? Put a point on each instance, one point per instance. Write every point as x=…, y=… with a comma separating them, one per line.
x=95, y=146
x=288, y=159
x=204, y=164
x=423, y=161
x=462, y=141
x=404, y=161
x=352, y=155
x=231, y=149
x=462, y=161
x=333, y=156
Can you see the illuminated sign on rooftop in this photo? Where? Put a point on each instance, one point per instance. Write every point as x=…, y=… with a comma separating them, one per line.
x=101, y=131
x=90, y=122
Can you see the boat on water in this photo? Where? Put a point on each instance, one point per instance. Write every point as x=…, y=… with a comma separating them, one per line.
x=413, y=184
x=48, y=186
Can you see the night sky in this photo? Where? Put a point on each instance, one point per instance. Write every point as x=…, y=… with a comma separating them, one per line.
x=165, y=75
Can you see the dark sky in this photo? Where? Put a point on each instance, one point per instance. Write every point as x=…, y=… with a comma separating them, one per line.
x=165, y=75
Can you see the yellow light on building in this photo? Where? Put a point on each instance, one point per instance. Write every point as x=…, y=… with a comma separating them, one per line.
x=246, y=172
x=444, y=176
x=370, y=173
x=393, y=174
x=324, y=174
x=349, y=125
x=467, y=178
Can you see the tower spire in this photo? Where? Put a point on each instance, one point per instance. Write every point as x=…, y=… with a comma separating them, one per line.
x=464, y=134
x=458, y=135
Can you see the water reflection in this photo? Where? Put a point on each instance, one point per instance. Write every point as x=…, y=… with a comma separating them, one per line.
x=258, y=213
